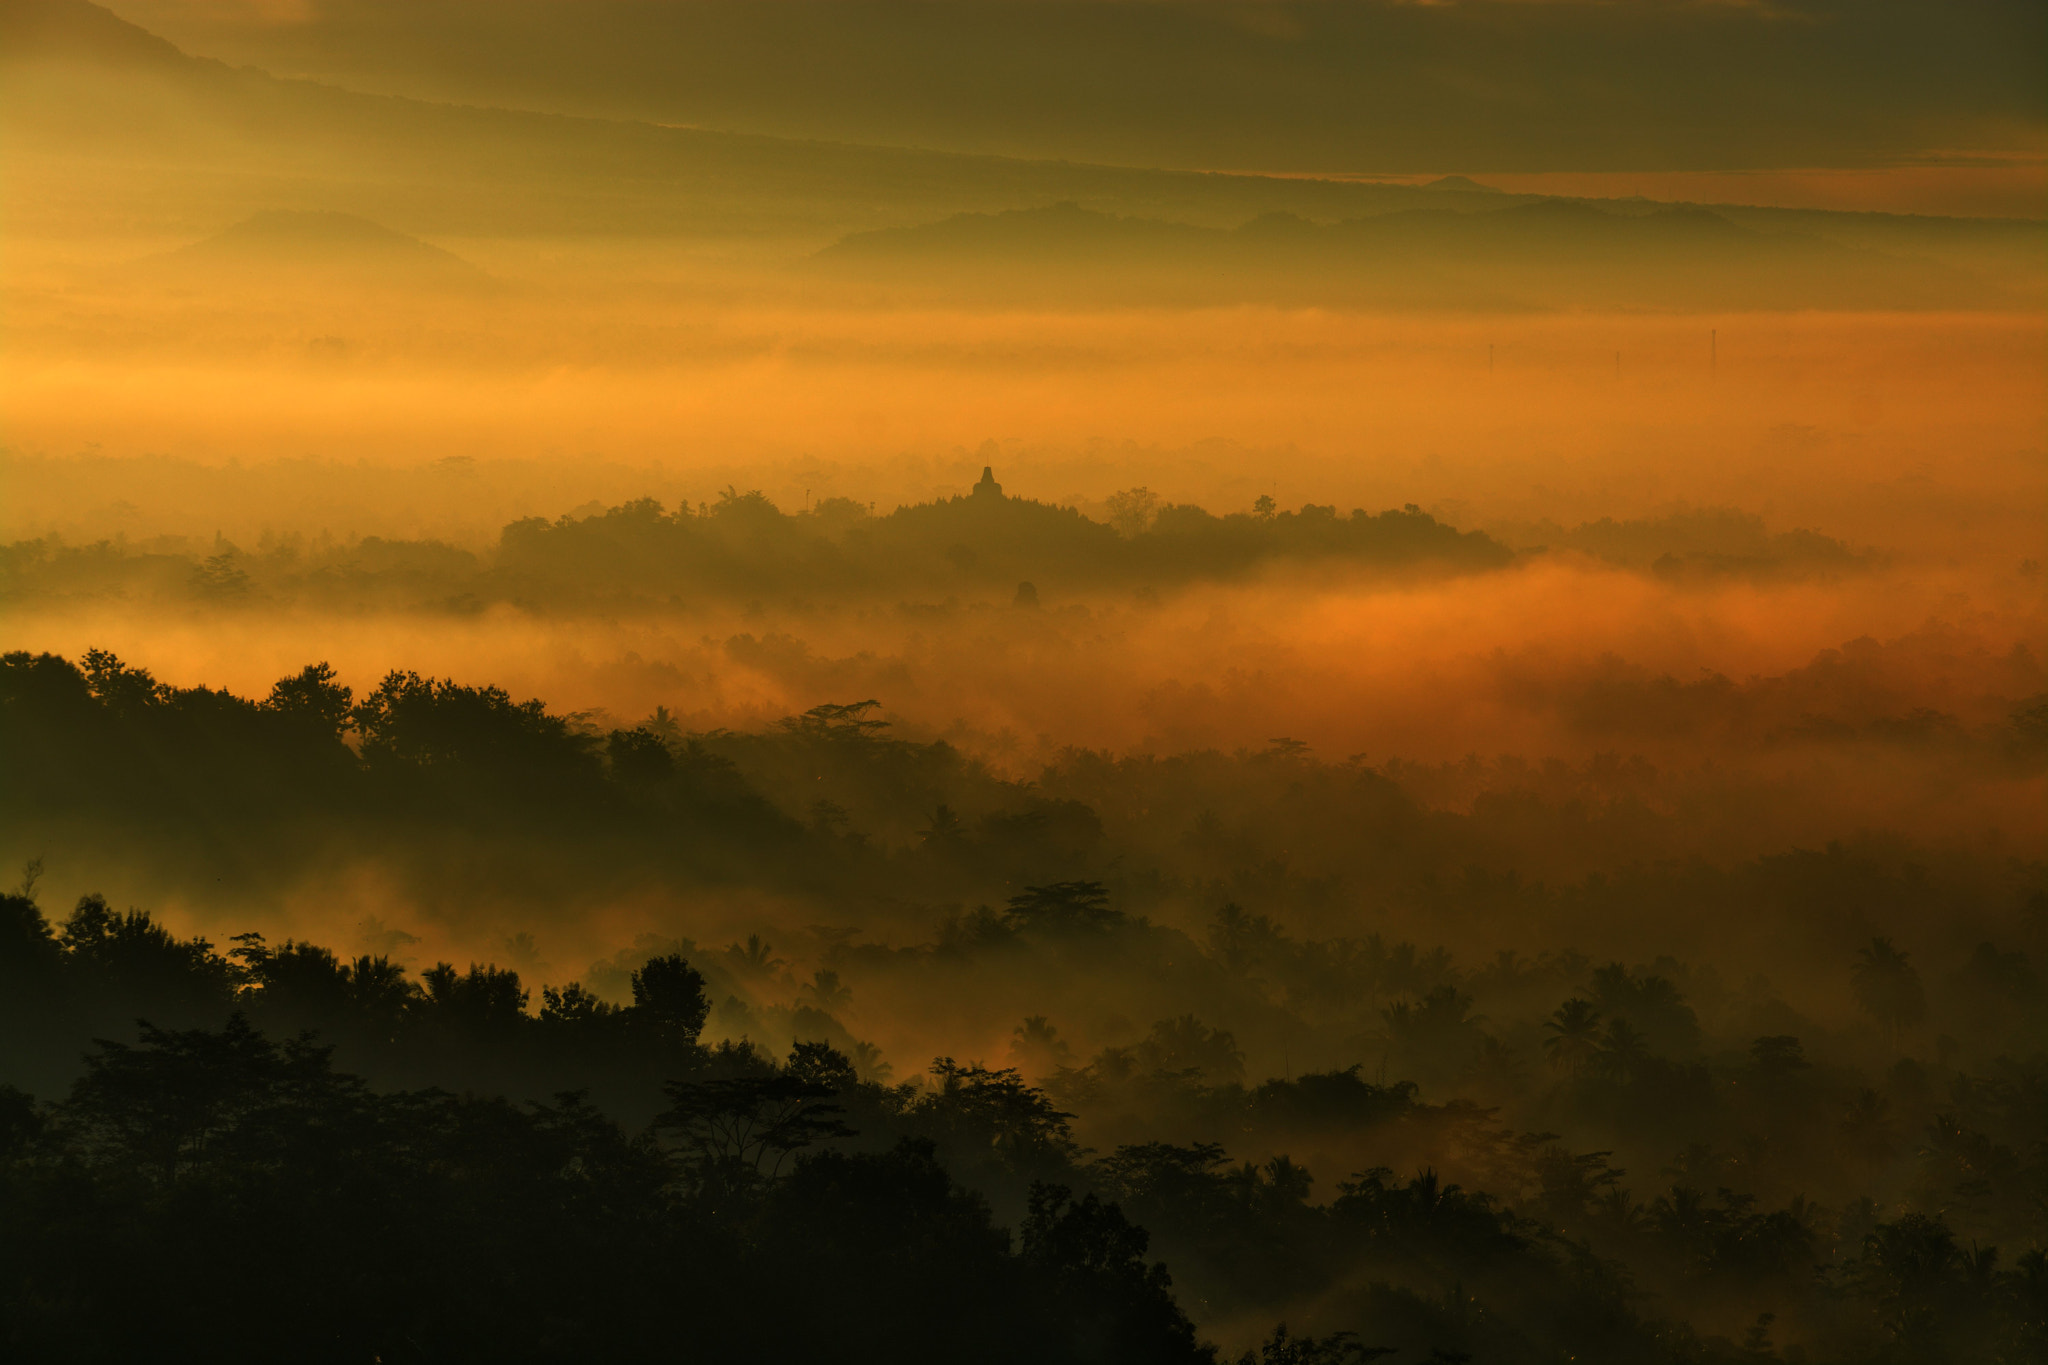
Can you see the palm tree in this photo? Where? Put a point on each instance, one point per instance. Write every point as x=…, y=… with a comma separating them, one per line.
x=945, y=832
x=754, y=958
x=1621, y=1050
x=1888, y=988
x=1574, y=1036
x=1497, y=1066
x=1036, y=1048
x=1619, y=1210
x=826, y=992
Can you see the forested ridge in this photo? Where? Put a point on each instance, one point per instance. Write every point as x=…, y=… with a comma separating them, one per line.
x=743, y=547
x=1477, y=1154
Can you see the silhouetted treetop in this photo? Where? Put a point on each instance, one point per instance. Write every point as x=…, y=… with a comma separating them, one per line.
x=669, y=993
x=1064, y=907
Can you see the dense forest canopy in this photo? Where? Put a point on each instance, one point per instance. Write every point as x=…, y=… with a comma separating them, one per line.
x=680, y=1176
x=1644, y=1144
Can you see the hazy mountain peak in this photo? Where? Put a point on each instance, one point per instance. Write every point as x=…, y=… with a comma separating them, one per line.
x=72, y=30
x=277, y=245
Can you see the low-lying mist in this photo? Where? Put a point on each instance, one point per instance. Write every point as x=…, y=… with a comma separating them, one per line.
x=1914, y=433
x=1147, y=934
x=1656, y=717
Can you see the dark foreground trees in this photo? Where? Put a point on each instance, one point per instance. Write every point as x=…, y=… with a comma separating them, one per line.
x=216, y=1192
x=216, y=1195
x=220, y=1190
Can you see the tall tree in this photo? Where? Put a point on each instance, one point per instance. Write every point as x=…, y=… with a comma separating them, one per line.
x=1888, y=988
x=1573, y=1036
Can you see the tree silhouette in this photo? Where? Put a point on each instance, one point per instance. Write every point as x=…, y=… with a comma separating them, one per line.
x=826, y=992
x=151, y=970
x=1573, y=1036
x=482, y=1000
x=1432, y=1034
x=1100, y=1285
x=1063, y=908
x=755, y=957
x=946, y=832
x=304, y=986
x=823, y=1065
x=1650, y=1004
x=1335, y=1349
x=439, y=724
x=752, y=1123
x=1245, y=941
x=1621, y=1051
x=314, y=698
x=838, y=722
x=121, y=689
x=1777, y=1057
x=638, y=755
x=668, y=996
x=1131, y=511
x=572, y=1006
x=975, y=1109
x=1037, y=1048
x=1185, y=1046
x=168, y=1105
x=1888, y=988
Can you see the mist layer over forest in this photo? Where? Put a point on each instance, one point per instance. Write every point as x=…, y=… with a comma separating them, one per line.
x=645, y=713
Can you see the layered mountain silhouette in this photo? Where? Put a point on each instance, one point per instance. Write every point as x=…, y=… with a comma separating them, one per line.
x=1297, y=87
x=110, y=119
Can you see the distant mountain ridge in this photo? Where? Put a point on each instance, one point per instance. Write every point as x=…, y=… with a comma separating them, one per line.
x=89, y=94
x=280, y=245
x=1342, y=86
x=70, y=29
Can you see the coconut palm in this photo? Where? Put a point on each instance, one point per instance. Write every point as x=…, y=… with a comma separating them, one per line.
x=1888, y=988
x=1574, y=1036
x=1621, y=1051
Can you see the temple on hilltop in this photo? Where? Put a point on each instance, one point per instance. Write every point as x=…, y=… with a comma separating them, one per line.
x=988, y=487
